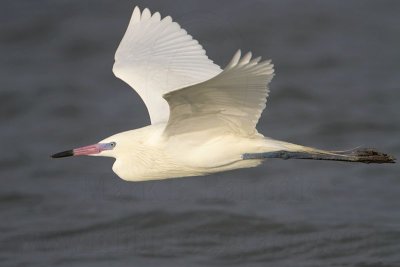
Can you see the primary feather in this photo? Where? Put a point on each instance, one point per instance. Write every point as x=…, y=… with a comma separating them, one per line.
x=157, y=56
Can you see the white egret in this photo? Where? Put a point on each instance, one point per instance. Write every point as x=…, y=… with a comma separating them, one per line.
x=203, y=118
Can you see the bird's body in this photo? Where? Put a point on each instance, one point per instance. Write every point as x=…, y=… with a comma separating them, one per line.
x=203, y=118
x=146, y=154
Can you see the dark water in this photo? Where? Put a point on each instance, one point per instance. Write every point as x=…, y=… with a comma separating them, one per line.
x=337, y=87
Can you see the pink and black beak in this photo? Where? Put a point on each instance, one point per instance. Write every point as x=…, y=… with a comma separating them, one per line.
x=86, y=150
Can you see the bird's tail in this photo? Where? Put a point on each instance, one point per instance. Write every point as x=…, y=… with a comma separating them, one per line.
x=292, y=151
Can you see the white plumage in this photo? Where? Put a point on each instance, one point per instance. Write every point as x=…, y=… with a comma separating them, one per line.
x=198, y=112
x=203, y=118
x=157, y=56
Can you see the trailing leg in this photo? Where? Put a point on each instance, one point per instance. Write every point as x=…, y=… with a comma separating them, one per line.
x=357, y=155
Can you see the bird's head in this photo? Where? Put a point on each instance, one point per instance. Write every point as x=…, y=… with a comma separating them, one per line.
x=106, y=148
x=99, y=149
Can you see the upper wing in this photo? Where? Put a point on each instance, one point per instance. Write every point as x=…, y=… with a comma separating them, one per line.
x=157, y=56
x=232, y=101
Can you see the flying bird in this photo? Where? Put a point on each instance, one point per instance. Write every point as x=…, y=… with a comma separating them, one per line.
x=203, y=118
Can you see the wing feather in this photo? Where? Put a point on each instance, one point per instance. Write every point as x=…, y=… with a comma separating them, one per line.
x=157, y=56
x=232, y=101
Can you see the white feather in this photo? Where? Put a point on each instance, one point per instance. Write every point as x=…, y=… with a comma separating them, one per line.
x=157, y=56
x=230, y=102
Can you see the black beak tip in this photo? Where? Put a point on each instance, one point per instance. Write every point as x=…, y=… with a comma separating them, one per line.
x=63, y=154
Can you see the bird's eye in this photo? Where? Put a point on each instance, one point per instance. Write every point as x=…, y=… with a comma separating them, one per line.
x=113, y=144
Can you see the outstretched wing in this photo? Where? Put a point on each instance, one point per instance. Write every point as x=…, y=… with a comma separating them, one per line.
x=157, y=56
x=232, y=101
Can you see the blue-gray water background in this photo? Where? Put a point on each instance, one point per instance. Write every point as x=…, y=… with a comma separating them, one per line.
x=337, y=86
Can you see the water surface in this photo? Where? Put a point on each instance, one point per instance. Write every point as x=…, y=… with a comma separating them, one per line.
x=337, y=87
